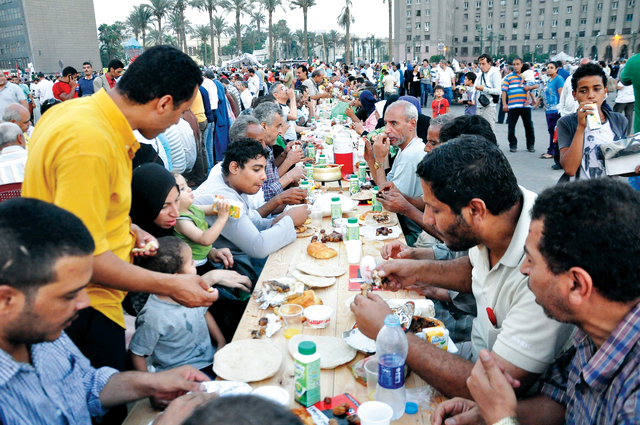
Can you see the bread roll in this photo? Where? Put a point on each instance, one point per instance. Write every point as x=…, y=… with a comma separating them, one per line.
x=320, y=251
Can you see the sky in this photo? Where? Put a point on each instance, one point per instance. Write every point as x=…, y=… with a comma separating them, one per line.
x=371, y=16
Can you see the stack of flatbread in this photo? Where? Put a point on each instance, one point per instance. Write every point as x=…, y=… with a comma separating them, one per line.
x=317, y=275
x=333, y=351
x=236, y=361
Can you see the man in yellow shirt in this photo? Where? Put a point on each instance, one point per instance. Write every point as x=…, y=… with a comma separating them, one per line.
x=80, y=159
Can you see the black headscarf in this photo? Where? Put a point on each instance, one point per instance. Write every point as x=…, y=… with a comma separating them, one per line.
x=390, y=100
x=150, y=186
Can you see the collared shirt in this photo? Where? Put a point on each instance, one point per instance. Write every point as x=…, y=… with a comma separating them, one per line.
x=62, y=87
x=513, y=85
x=523, y=335
x=445, y=77
x=10, y=93
x=12, y=161
x=80, y=160
x=60, y=387
x=44, y=90
x=492, y=82
x=85, y=86
x=212, y=91
x=600, y=386
x=271, y=186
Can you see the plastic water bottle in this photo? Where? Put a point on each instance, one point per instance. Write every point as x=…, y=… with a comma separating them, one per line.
x=391, y=350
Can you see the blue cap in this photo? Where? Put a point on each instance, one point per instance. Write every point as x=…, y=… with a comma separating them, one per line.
x=411, y=408
x=392, y=320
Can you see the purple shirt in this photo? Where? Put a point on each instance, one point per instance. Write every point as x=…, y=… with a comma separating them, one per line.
x=271, y=186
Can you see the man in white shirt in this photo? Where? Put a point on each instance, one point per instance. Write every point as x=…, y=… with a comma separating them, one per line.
x=447, y=79
x=396, y=76
x=284, y=95
x=10, y=93
x=254, y=82
x=212, y=90
x=489, y=84
x=44, y=89
x=245, y=95
x=369, y=73
x=13, y=155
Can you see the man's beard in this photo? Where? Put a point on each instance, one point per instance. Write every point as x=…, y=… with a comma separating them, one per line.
x=459, y=236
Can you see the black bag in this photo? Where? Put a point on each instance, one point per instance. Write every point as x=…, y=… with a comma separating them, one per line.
x=484, y=100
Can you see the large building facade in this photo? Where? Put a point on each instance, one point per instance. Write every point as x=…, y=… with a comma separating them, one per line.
x=602, y=29
x=48, y=34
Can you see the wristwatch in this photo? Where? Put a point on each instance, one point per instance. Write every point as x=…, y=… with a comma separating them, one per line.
x=379, y=165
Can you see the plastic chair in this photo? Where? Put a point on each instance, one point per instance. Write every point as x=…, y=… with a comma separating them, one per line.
x=10, y=191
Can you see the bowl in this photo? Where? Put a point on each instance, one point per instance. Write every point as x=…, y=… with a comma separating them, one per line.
x=274, y=393
x=318, y=316
x=327, y=172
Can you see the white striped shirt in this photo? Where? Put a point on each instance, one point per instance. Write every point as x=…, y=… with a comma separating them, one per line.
x=58, y=387
x=12, y=161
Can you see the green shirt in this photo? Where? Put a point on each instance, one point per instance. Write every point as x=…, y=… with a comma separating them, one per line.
x=196, y=215
x=631, y=75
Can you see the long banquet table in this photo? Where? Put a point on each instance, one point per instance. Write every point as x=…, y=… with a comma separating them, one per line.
x=333, y=382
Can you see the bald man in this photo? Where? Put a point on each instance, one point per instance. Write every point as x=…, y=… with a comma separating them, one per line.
x=18, y=114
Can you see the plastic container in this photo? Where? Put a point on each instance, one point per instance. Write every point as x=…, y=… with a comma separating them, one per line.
x=375, y=413
x=311, y=151
x=318, y=316
x=391, y=350
x=353, y=229
x=354, y=184
x=322, y=159
x=375, y=203
x=362, y=172
x=336, y=210
x=306, y=370
x=309, y=168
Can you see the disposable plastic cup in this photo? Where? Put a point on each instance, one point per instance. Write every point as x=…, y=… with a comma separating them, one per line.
x=292, y=318
x=353, y=251
x=316, y=216
x=371, y=371
x=375, y=413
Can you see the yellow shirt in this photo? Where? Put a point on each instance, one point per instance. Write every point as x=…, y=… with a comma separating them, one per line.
x=80, y=160
x=197, y=107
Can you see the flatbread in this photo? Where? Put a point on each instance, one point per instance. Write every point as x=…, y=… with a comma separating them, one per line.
x=313, y=281
x=247, y=360
x=388, y=220
x=333, y=351
x=308, y=231
x=321, y=270
x=363, y=195
x=300, y=229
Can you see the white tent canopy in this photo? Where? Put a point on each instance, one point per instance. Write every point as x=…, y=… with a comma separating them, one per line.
x=243, y=59
x=562, y=56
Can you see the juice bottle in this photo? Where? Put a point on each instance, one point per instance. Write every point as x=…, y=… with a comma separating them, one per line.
x=306, y=370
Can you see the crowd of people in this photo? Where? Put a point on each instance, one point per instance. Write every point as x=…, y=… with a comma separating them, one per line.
x=162, y=198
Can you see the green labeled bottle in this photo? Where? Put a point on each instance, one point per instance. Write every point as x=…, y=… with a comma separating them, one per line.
x=306, y=369
x=375, y=203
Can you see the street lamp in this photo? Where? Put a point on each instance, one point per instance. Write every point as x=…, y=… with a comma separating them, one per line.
x=616, y=40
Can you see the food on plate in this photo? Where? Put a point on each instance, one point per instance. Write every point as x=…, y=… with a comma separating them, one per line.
x=277, y=286
x=314, y=238
x=420, y=323
x=321, y=269
x=321, y=251
x=307, y=221
x=332, y=237
x=333, y=421
x=327, y=400
x=322, y=231
x=303, y=415
x=341, y=409
x=362, y=195
x=300, y=229
x=313, y=281
x=147, y=247
x=236, y=360
x=333, y=350
x=365, y=187
x=364, y=215
x=381, y=217
x=383, y=231
x=308, y=231
x=377, y=280
x=306, y=299
x=353, y=420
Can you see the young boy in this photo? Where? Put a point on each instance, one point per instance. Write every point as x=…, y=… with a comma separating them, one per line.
x=440, y=105
x=470, y=94
x=168, y=334
x=192, y=227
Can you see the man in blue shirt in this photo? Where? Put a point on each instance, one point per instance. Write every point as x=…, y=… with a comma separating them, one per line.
x=44, y=378
x=85, y=84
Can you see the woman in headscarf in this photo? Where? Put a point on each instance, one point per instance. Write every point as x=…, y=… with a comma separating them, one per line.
x=408, y=77
x=422, y=127
x=414, y=84
x=367, y=104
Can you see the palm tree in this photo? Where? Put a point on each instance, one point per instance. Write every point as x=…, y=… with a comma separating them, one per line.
x=201, y=32
x=139, y=21
x=208, y=6
x=355, y=41
x=179, y=7
x=333, y=36
x=219, y=27
x=239, y=7
x=302, y=40
x=390, y=30
x=345, y=19
x=304, y=5
x=160, y=9
x=271, y=6
x=180, y=27
x=283, y=32
x=257, y=17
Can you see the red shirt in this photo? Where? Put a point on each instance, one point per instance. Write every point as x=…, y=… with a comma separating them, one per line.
x=62, y=87
x=112, y=83
x=439, y=107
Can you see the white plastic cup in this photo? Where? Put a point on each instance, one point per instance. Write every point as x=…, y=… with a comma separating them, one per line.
x=371, y=372
x=353, y=251
x=375, y=413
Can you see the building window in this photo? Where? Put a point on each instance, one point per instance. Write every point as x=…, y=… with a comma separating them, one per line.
x=408, y=2
x=566, y=47
x=515, y=14
x=598, y=20
x=614, y=5
x=464, y=39
x=554, y=23
x=631, y=3
x=513, y=50
x=629, y=17
x=417, y=25
x=594, y=33
x=501, y=50
x=418, y=12
x=427, y=12
x=553, y=48
x=526, y=48
x=540, y=36
x=514, y=37
x=416, y=38
x=490, y=3
x=502, y=15
x=585, y=7
x=541, y=12
x=626, y=30
x=478, y=4
x=528, y=13
x=490, y=15
x=417, y=1
x=408, y=13
x=476, y=51
x=527, y=36
x=426, y=49
x=583, y=22
x=611, y=31
x=567, y=22
x=466, y=16
x=527, y=24
x=427, y=26
x=515, y=25
x=408, y=49
x=515, y=1
x=581, y=34
x=556, y=10
x=553, y=34
x=567, y=34
x=417, y=49
x=427, y=38
x=465, y=27
x=466, y=4
x=489, y=26
x=409, y=37
x=502, y=25
x=477, y=38
x=541, y=23
x=464, y=51
x=569, y=9
x=599, y=6
x=503, y=2
x=614, y=18
x=409, y=27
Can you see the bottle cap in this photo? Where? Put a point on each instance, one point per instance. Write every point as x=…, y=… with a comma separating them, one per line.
x=307, y=347
x=411, y=408
x=353, y=220
x=353, y=176
x=375, y=188
x=308, y=165
x=392, y=320
x=336, y=199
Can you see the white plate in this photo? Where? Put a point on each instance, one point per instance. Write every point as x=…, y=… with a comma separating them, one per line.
x=274, y=393
x=424, y=307
x=369, y=233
